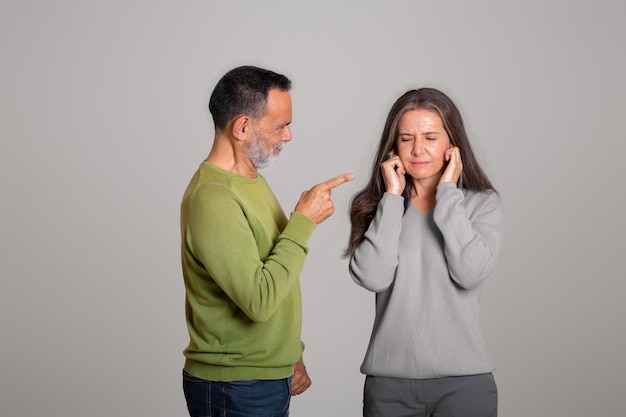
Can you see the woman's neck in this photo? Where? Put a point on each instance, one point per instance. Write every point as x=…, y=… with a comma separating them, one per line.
x=424, y=194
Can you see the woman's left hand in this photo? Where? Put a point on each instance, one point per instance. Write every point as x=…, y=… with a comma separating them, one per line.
x=452, y=173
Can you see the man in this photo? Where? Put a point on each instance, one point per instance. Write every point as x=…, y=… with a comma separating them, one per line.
x=242, y=257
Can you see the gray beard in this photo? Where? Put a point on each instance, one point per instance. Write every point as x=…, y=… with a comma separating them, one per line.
x=259, y=155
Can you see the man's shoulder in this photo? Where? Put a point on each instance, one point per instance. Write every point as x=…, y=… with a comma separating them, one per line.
x=211, y=191
x=210, y=179
x=207, y=187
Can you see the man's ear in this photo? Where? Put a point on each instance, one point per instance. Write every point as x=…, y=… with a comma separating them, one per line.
x=241, y=127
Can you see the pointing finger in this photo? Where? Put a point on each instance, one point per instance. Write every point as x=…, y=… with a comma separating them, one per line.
x=337, y=181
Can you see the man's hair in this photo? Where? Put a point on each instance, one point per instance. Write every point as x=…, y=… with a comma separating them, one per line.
x=244, y=90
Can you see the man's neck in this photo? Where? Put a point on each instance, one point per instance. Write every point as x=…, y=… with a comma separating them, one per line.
x=231, y=158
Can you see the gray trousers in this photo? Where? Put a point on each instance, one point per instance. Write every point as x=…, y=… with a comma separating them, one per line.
x=459, y=396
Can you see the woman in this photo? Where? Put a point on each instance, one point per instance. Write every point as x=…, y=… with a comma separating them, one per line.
x=426, y=232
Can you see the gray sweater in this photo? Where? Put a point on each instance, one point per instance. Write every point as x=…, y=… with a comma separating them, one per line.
x=428, y=270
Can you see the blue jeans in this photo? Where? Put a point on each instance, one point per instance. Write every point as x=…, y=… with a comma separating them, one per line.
x=249, y=398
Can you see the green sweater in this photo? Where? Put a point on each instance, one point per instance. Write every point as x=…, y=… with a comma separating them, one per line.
x=241, y=261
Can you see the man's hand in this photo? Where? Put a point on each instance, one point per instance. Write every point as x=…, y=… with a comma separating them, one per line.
x=300, y=380
x=316, y=203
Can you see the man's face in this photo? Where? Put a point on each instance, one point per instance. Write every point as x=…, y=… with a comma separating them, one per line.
x=272, y=131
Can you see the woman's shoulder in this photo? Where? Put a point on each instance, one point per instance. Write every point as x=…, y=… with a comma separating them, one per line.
x=482, y=200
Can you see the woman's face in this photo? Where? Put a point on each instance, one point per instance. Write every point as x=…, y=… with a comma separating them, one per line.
x=421, y=143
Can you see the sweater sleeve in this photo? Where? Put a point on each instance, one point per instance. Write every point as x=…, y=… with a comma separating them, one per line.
x=223, y=241
x=373, y=264
x=472, y=233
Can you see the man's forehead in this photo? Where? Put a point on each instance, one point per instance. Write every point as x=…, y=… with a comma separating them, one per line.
x=278, y=104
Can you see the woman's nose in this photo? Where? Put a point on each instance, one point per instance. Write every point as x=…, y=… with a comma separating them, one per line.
x=418, y=147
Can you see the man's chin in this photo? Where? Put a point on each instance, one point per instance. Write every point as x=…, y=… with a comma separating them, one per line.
x=267, y=162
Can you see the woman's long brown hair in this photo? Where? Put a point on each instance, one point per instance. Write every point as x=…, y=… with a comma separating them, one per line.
x=364, y=203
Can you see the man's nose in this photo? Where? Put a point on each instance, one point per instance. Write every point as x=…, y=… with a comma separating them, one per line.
x=288, y=135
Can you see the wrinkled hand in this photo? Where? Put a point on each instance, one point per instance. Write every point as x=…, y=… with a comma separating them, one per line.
x=452, y=173
x=316, y=203
x=393, y=175
x=300, y=380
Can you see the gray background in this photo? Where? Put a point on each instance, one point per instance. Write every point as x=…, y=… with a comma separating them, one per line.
x=104, y=120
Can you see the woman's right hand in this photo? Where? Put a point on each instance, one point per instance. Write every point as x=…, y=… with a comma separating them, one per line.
x=393, y=175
